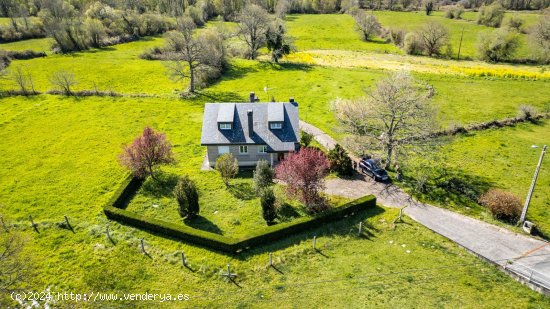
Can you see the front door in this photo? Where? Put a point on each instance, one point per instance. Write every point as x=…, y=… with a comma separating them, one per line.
x=280, y=156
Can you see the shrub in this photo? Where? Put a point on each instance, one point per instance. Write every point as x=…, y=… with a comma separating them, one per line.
x=187, y=195
x=228, y=166
x=527, y=112
x=413, y=44
x=397, y=36
x=340, y=161
x=454, y=11
x=263, y=176
x=267, y=200
x=516, y=22
x=497, y=45
x=491, y=16
x=195, y=14
x=305, y=139
x=502, y=205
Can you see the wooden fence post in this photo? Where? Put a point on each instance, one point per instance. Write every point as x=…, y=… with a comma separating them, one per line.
x=33, y=224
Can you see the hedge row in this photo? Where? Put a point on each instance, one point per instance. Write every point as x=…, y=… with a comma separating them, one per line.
x=114, y=211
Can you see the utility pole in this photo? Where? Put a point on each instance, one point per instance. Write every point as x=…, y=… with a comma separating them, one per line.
x=530, y=194
x=460, y=44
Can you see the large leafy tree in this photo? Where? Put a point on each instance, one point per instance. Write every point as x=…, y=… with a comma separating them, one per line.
x=146, y=153
x=303, y=172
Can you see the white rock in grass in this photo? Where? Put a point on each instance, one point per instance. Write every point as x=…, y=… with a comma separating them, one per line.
x=403, y=245
x=155, y=206
x=391, y=242
x=408, y=251
x=215, y=212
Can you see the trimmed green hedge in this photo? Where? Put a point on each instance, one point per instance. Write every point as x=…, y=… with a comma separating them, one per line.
x=219, y=242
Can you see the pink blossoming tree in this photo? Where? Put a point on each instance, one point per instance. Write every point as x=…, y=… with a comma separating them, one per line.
x=147, y=151
x=303, y=172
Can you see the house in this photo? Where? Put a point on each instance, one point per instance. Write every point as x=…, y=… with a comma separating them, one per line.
x=250, y=131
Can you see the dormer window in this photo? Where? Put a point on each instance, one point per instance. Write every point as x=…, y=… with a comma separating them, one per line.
x=275, y=125
x=225, y=126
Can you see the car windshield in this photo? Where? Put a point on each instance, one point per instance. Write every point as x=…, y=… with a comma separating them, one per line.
x=379, y=170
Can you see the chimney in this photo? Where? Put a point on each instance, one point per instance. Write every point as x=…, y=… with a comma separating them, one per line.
x=250, y=123
x=252, y=97
x=291, y=100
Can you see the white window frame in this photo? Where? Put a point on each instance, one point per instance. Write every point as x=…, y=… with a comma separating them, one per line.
x=241, y=149
x=275, y=125
x=223, y=149
x=225, y=126
x=262, y=149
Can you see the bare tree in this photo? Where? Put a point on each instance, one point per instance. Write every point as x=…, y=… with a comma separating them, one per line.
x=434, y=36
x=394, y=117
x=24, y=80
x=539, y=38
x=254, y=21
x=63, y=81
x=198, y=58
x=367, y=24
x=14, y=268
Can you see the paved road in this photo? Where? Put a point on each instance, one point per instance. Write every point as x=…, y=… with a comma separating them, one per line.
x=524, y=256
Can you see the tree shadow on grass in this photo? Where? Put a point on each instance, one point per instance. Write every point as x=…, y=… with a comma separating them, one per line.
x=220, y=96
x=242, y=191
x=201, y=223
x=287, y=213
x=159, y=188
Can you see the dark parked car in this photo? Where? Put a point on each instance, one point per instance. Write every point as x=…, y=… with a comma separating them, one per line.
x=369, y=167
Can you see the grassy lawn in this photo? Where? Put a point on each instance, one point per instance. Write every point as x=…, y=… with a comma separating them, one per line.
x=506, y=160
x=232, y=210
x=39, y=45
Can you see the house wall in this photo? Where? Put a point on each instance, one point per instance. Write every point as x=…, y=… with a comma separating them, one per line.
x=249, y=159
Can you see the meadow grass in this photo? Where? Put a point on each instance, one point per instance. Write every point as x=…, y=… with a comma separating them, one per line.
x=506, y=159
x=332, y=31
x=60, y=158
x=38, y=45
x=415, y=20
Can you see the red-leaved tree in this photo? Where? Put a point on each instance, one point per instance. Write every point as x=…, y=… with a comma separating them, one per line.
x=303, y=173
x=148, y=151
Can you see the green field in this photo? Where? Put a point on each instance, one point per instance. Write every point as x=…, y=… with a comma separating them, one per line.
x=59, y=157
x=506, y=159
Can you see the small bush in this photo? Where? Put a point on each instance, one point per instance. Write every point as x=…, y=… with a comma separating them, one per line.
x=305, y=139
x=516, y=23
x=228, y=166
x=502, y=205
x=413, y=44
x=263, y=176
x=397, y=36
x=340, y=161
x=187, y=195
x=527, y=112
x=267, y=200
x=491, y=16
x=497, y=45
x=454, y=11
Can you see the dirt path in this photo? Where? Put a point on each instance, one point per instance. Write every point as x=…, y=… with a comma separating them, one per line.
x=526, y=258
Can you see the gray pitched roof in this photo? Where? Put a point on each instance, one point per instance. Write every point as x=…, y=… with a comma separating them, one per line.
x=284, y=139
